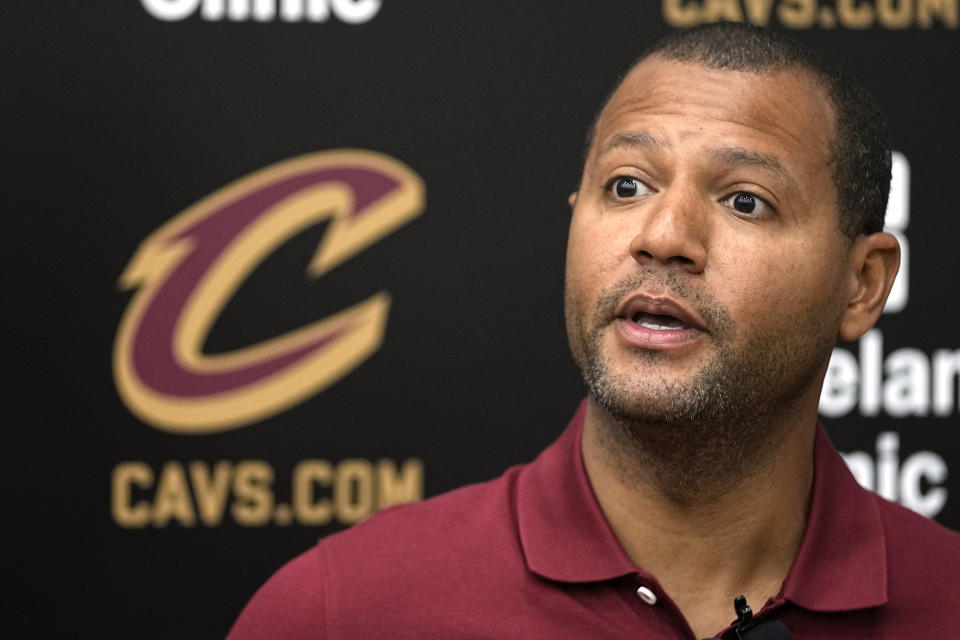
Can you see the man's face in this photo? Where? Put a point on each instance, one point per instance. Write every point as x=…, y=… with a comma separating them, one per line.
x=706, y=273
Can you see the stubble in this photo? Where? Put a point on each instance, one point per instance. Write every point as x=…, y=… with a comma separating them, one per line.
x=697, y=437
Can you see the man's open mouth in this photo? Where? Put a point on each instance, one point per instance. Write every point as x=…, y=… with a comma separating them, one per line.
x=658, y=322
x=659, y=313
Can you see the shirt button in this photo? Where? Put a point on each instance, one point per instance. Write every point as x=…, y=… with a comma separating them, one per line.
x=647, y=595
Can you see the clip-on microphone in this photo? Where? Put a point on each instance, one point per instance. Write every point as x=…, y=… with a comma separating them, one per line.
x=749, y=629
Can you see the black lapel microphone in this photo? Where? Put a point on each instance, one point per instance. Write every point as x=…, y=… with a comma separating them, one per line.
x=749, y=629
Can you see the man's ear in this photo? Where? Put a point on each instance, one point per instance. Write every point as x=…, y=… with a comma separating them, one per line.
x=874, y=261
x=572, y=200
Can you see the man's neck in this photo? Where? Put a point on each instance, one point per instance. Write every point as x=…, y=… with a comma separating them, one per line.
x=706, y=548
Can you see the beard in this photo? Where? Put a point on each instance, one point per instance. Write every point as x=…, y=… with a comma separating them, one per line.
x=696, y=437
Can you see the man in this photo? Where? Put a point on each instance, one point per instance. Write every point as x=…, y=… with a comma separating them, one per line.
x=726, y=232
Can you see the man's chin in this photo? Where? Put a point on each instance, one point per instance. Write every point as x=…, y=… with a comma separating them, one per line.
x=651, y=385
x=651, y=374
x=679, y=401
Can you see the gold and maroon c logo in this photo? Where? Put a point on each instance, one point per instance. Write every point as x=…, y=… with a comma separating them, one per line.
x=186, y=271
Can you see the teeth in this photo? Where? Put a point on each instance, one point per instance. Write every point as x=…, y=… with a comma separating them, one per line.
x=658, y=322
x=653, y=325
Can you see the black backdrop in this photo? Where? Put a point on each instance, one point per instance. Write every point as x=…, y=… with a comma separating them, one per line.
x=120, y=115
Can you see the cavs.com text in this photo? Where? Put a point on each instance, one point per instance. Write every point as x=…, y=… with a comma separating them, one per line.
x=813, y=14
x=251, y=493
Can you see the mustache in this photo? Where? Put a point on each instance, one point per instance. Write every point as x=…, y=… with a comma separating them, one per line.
x=676, y=285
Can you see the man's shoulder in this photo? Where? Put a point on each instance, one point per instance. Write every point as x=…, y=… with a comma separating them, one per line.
x=406, y=559
x=923, y=569
x=475, y=515
x=918, y=546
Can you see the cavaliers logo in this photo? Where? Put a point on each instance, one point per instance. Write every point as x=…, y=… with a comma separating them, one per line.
x=186, y=271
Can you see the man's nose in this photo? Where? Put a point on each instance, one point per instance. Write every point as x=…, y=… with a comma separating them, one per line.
x=673, y=231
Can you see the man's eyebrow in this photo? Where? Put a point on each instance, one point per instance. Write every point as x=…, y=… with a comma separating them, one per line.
x=729, y=156
x=767, y=163
x=631, y=140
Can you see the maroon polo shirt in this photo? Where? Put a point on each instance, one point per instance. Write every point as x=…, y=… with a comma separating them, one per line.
x=530, y=555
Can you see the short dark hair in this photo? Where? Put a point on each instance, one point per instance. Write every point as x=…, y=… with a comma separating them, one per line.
x=860, y=149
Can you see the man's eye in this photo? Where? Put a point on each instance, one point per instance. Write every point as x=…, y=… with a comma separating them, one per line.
x=747, y=203
x=627, y=187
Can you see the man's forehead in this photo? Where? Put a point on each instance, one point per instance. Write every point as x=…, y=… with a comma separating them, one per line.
x=660, y=67
x=792, y=105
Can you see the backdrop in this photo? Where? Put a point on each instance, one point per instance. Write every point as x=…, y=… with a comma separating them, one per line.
x=275, y=264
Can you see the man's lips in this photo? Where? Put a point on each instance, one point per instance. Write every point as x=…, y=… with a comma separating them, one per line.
x=657, y=322
x=659, y=313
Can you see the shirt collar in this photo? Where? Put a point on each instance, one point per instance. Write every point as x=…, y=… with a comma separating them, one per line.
x=841, y=564
x=562, y=530
x=842, y=561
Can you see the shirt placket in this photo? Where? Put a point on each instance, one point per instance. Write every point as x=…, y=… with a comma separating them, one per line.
x=657, y=609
